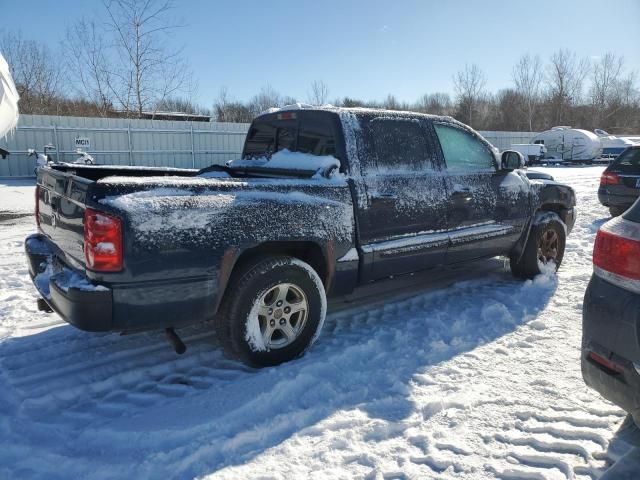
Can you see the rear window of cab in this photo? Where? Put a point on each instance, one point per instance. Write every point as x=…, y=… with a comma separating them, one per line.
x=313, y=135
x=627, y=162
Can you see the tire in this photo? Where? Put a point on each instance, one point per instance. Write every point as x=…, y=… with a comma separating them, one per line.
x=253, y=323
x=617, y=211
x=546, y=242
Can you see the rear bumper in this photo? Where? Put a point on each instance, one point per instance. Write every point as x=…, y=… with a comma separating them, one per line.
x=121, y=307
x=70, y=294
x=608, y=197
x=611, y=322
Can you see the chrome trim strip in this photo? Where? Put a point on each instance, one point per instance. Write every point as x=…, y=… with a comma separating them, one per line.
x=437, y=239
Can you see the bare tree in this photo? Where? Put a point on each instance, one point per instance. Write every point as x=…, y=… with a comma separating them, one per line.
x=564, y=80
x=605, y=85
x=266, y=99
x=147, y=71
x=227, y=110
x=89, y=69
x=35, y=70
x=435, y=103
x=319, y=93
x=469, y=87
x=527, y=76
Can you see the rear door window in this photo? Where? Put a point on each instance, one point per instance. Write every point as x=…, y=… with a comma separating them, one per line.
x=463, y=151
x=627, y=162
x=400, y=145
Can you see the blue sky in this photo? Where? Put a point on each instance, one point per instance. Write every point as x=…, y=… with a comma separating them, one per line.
x=363, y=49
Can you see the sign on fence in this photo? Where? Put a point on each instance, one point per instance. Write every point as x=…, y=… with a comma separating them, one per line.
x=83, y=143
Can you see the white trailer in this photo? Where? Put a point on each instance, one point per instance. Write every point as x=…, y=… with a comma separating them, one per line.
x=533, y=152
x=612, y=146
x=8, y=99
x=566, y=144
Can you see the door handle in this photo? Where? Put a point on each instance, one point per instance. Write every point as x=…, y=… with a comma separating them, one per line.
x=464, y=194
x=384, y=197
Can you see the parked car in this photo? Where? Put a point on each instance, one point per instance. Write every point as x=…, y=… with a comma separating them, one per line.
x=620, y=182
x=533, y=152
x=321, y=202
x=611, y=314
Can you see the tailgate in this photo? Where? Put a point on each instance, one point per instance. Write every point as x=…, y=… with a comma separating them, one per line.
x=61, y=198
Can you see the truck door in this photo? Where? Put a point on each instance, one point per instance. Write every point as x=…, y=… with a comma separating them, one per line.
x=486, y=208
x=402, y=225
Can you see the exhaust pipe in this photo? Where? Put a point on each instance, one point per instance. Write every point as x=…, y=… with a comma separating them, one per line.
x=173, y=338
x=43, y=306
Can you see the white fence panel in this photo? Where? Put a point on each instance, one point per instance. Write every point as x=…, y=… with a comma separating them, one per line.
x=123, y=142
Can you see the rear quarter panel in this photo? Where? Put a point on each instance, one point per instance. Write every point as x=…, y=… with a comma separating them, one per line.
x=180, y=228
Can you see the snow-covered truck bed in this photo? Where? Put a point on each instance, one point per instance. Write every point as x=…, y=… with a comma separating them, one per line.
x=323, y=201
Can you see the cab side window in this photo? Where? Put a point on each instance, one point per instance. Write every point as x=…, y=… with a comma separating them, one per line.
x=462, y=151
x=400, y=145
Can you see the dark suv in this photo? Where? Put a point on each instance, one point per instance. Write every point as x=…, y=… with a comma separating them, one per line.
x=620, y=182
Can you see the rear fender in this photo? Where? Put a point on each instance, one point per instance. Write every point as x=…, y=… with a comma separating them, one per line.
x=544, y=213
x=321, y=257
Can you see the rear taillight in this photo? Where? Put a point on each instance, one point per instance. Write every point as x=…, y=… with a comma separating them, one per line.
x=616, y=253
x=36, y=209
x=102, y=241
x=610, y=178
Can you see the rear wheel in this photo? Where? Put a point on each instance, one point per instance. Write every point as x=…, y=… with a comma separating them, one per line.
x=544, y=248
x=272, y=312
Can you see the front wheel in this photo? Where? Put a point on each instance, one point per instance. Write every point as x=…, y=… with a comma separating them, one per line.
x=272, y=312
x=544, y=248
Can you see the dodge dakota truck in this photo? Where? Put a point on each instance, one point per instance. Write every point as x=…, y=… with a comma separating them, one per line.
x=322, y=201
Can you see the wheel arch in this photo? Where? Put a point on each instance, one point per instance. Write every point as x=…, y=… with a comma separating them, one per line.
x=319, y=257
x=556, y=208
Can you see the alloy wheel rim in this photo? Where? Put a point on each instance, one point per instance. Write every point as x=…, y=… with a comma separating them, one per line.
x=282, y=314
x=548, y=246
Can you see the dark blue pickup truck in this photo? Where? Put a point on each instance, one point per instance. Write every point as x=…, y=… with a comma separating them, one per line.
x=322, y=201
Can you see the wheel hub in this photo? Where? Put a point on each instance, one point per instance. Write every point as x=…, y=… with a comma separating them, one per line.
x=548, y=246
x=282, y=314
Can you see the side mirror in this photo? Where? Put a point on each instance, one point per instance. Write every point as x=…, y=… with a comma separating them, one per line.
x=31, y=152
x=4, y=153
x=511, y=160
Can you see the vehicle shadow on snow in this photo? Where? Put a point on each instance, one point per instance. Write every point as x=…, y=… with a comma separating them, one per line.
x=596, y=224
x=367, y=361
x=624, y=450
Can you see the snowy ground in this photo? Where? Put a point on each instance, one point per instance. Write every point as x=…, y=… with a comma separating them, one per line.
x=476, y=380
x=16, y=196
